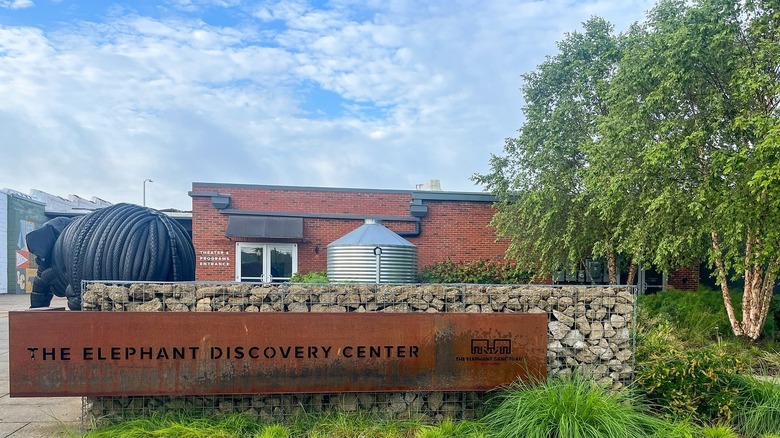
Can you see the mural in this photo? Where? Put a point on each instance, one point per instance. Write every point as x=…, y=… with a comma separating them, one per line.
x=3, y=243
x=24, y=268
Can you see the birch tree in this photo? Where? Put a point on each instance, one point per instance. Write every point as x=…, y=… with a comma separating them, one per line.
x=544, y=203
x=695, y=103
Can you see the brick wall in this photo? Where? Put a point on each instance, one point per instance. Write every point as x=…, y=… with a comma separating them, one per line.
x=685, y=278
x=208, y=237
x=451, y=229
x=457, y=230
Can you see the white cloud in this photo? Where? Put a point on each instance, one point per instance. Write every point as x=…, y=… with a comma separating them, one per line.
x=16, y=4
x=428, y=92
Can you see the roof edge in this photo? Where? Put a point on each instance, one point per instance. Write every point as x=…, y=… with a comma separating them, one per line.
x=423, y=195
x=298, y=188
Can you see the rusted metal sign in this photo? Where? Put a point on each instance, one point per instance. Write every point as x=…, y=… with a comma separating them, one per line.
x=138, y=353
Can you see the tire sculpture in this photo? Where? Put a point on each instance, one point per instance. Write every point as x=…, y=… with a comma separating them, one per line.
x=123, y=242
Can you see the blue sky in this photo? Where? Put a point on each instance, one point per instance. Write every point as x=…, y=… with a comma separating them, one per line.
x=97, y=96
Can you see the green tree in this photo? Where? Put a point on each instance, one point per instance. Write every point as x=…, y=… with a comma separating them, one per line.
x=545, y=205
x=694, y=111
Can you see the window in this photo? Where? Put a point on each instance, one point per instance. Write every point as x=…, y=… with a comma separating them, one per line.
x=266, y=262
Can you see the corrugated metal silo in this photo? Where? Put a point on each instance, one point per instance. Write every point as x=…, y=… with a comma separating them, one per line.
x=370, y=249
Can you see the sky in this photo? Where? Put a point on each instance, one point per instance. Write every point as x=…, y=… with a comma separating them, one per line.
x=98, y=96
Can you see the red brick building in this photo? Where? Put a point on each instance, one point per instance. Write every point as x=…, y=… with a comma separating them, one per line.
x=234, y=223
x=300, y=222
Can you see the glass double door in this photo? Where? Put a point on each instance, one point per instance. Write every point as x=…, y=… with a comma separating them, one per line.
x=649, y=280
x=266, y=262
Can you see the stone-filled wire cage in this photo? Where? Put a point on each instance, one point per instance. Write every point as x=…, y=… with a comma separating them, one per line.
x=590, y=330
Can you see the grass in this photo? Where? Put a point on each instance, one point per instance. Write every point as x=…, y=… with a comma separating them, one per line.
x=355, y=425
x=564, y=407
x=760, y=413
x=718, y=431
x=274, y=431
x=769, y=362
x=451, y=429
x=181, y=425
x=187, y=425
x=701, y=315
x=699, y=320
x=570, y=406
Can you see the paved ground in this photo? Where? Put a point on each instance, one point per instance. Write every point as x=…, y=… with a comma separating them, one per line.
x=32, y=417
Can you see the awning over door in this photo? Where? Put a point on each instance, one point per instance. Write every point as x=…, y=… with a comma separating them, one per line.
x=265, y=227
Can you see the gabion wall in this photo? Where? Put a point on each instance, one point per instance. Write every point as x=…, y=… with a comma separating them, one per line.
x=590, y=328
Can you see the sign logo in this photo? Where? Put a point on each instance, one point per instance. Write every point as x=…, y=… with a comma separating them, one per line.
x=491, y=351
x=491, y=346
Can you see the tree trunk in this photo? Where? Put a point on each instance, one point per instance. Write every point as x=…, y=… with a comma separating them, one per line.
x=631, y=273
x=736, y=326
x=758, y=297
x=759, y=284
x=612, y=267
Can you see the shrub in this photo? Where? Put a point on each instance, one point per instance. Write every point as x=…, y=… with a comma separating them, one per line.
x=310, y=277
x=478, y=272
x=697, y=382
x=571, y=406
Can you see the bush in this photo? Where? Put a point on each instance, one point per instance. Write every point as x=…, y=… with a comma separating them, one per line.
x=477, y=272
x=310, y=277
x=571, y=406
x=687, y=382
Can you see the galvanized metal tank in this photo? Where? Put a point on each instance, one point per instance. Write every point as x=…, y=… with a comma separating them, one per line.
x=372, y=254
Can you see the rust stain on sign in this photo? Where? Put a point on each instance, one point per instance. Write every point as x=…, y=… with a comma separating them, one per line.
x=138, y=353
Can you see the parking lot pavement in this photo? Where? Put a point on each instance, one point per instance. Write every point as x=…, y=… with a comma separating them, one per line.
x=22, y=417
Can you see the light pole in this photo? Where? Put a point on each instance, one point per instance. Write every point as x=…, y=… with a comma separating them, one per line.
x=146, y=181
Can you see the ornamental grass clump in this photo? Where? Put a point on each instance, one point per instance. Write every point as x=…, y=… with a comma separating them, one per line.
x=759, y=413
x=571, y=407
x=718, y=431
x=451, y=429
